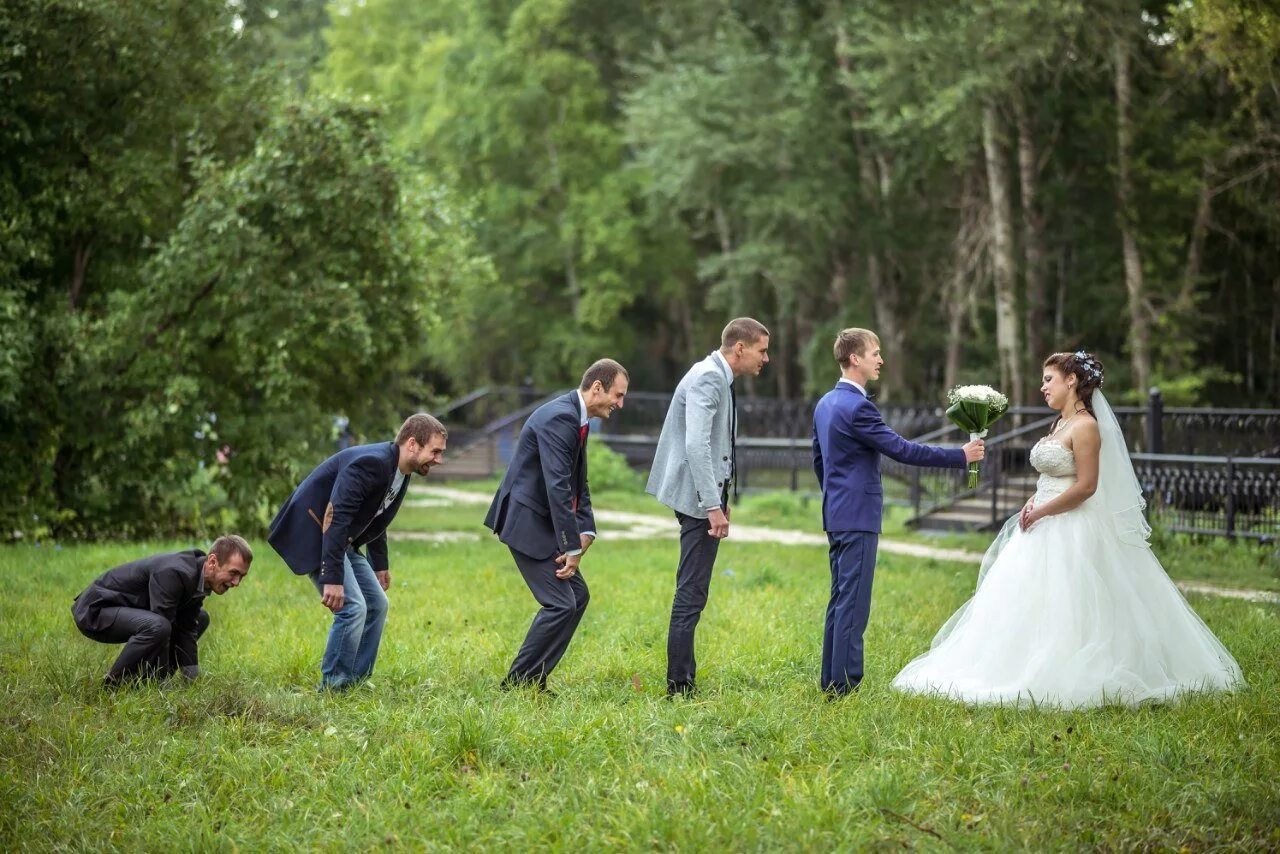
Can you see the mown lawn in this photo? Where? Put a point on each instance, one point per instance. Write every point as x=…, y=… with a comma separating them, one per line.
x=431, y=754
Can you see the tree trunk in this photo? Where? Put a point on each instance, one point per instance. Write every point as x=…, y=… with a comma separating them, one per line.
x=1037, y=293
x=873, y=180
x=1139, y=317
x=888, y=325
x=966, y=260
x=1195, y=243
x=79, y=269
x=1004, y=263
x=1273, y=342
x=563, y=227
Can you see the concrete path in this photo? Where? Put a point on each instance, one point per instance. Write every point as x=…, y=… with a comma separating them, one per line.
x=646, y=526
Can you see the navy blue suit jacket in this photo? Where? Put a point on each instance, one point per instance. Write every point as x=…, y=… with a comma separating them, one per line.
x=334, y=509
x=849, y=435
x=532, y=511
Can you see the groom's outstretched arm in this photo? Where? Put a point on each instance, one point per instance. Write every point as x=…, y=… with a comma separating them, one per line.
x=869, y=427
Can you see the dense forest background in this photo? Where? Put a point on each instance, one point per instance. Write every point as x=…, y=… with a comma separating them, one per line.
x=225, y=223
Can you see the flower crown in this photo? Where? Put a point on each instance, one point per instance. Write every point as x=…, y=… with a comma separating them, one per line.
x=1087, y=363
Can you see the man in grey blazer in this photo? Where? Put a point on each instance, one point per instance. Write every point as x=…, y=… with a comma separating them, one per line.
x=692, y=468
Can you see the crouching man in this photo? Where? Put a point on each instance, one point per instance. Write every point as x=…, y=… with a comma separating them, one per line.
x=154, y=607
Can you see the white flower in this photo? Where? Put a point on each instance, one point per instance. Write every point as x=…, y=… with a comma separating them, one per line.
x=978, y=394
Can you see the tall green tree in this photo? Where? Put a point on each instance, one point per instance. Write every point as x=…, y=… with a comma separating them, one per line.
x=199, y=274
x=508, y=104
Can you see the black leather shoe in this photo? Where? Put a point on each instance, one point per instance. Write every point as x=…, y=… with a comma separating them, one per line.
x=836, y=692
x=538, y=686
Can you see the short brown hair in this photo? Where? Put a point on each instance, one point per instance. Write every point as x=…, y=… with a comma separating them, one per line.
x=227, y=545
x=853, y=342
x=604, y=370
x=422, y=427
x=744, y=329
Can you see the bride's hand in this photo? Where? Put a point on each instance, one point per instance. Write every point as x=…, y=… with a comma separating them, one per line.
x=1027, y=516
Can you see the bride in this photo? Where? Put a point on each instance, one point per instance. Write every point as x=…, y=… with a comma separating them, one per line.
x=1072, y=609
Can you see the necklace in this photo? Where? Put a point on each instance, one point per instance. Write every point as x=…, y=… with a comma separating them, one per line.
x=1062, y=422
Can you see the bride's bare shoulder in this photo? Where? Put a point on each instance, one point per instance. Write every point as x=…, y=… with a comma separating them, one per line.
x=1085, y=432
x=1084, y=427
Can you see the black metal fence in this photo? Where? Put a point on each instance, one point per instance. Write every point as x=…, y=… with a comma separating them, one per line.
x=469, y=416
x=1207, y=471
x=1225, y=496
x=1157, y=429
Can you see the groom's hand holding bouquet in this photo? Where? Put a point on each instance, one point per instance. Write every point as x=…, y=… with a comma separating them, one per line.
x=974, y=408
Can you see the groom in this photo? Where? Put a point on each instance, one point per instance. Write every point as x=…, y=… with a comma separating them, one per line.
x=849, y=436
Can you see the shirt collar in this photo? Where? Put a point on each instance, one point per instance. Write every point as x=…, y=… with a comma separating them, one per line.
x=582, y=409
x=724, y=365
x=855, y=385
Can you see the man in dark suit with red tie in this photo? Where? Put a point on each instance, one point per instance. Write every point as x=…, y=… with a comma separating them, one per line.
x=542, y=512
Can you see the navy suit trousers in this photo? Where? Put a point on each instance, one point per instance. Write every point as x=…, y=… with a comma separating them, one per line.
x=853, y=566
x=563, y=603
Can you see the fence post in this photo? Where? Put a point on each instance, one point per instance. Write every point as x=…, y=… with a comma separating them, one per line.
x=995, y=491
x=915, y=491
x=1155, y=422
x=1231, y=498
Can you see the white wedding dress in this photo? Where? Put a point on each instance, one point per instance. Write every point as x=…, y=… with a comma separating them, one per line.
x=1077, y=611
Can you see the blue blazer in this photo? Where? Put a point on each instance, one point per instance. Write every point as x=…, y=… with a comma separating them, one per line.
x=334, y=510
x=533, y=509
x=849, y=435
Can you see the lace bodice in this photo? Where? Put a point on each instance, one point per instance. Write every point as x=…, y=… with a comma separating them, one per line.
x=1056, y=464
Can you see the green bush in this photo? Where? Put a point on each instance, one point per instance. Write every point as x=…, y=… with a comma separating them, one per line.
x=608, y=470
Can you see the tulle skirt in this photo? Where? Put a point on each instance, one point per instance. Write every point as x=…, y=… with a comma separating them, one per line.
x=1067, y=616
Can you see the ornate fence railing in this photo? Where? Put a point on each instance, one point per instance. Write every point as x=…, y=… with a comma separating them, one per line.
x=1231, y=493
x=771, y=418
x=468, y=417
x=1157, y=429
x=1225, y=496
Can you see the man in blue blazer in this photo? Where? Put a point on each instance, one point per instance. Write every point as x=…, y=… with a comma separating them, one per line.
x=849, y=435
x=344, y=505
x=542, y=513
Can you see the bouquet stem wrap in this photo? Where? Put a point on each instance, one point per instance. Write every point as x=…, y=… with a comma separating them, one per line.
x=973, y=467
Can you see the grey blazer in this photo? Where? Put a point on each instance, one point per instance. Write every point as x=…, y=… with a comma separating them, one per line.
x=691, y=465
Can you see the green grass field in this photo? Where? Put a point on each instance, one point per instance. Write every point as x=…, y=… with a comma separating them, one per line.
x=432, y=754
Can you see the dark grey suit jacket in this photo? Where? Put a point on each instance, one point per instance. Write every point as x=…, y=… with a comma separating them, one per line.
x=166, y=584
x=544, y=503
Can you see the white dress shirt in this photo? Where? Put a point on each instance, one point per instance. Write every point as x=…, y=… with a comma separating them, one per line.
x=858, y=386
x=583, y=420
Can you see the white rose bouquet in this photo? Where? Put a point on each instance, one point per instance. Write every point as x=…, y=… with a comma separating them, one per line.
x=974, y=408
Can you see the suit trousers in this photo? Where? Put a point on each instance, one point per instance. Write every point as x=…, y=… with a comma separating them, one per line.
x=147, y=638
x=698, y=551
x=563, y=603
x=853, y=566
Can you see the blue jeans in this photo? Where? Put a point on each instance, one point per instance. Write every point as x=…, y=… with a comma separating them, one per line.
x=357, y=627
